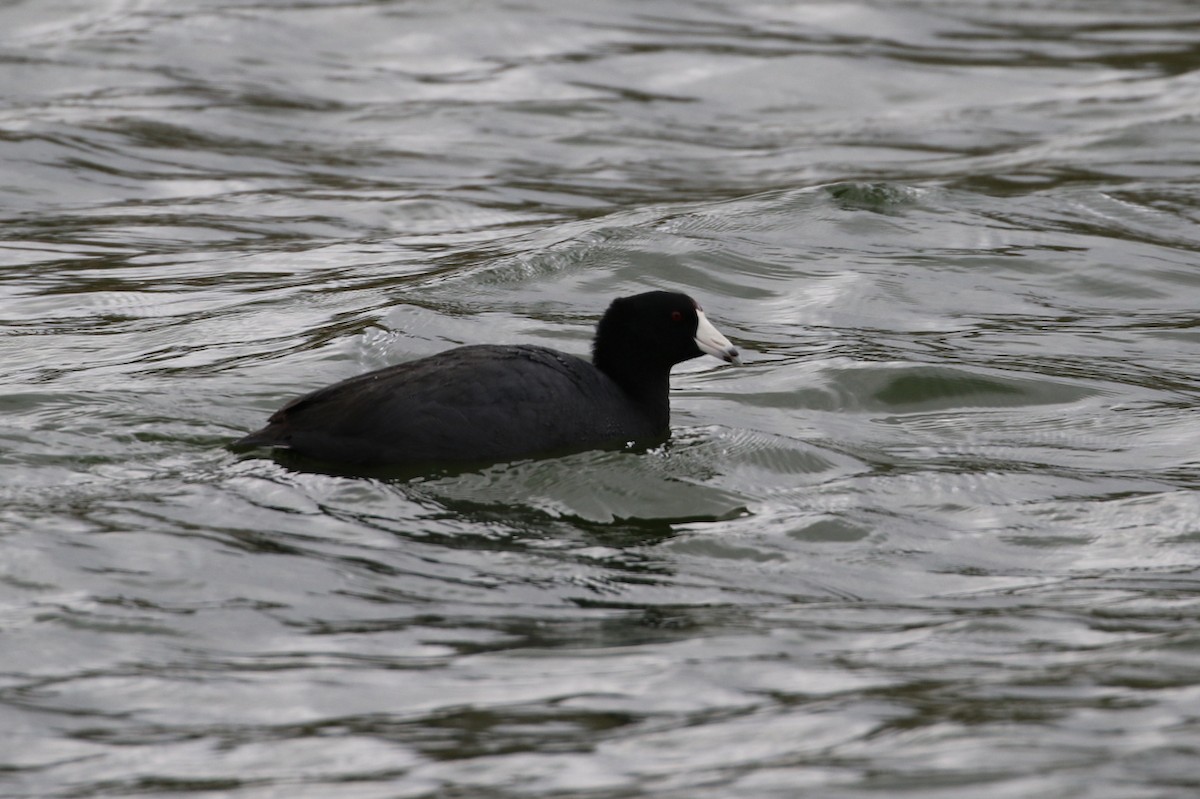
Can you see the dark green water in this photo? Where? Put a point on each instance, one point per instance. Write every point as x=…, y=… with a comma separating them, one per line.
x=940, y=537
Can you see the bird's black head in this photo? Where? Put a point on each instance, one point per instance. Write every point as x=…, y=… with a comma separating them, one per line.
x=641, y=337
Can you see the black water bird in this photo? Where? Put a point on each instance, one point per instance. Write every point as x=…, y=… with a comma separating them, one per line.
x=490, y=403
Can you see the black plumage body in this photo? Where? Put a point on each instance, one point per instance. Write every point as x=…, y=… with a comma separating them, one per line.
x=551, y=402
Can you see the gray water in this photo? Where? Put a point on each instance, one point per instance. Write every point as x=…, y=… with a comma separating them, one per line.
x=939, y=537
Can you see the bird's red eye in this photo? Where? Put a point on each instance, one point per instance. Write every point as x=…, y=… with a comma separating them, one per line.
x=676, y=316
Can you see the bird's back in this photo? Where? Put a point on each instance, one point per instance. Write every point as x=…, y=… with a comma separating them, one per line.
x=470, y=404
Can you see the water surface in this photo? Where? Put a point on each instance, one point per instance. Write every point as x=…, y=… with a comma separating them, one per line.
x=939, y=537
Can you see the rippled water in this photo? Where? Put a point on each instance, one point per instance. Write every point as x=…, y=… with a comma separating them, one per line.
x=939, y=537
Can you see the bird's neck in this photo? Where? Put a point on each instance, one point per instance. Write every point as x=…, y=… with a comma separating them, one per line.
x=648, y=386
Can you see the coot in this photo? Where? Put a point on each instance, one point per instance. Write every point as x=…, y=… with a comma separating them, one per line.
x=491, y=403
